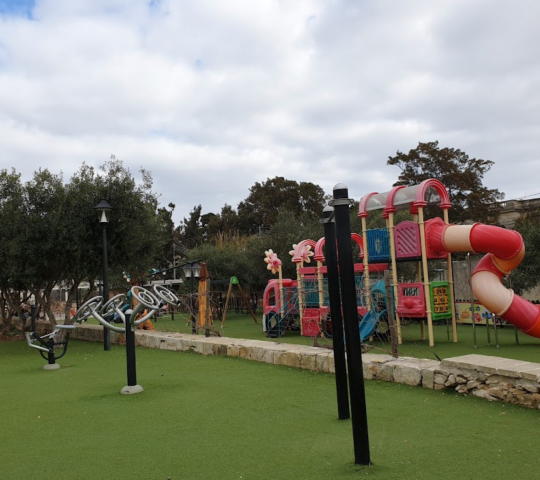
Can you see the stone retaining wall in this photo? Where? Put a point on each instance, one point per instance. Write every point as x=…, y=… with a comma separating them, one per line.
x=491, y=378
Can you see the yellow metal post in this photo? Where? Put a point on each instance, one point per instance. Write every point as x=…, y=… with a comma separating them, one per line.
x=426, y=275
x=390, y=225
x=451, y=282
x=367, y=281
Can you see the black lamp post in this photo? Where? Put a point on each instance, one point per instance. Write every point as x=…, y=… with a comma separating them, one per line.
x=191, y=271
x=338, y=340
x=103, y=208
x=357, y=394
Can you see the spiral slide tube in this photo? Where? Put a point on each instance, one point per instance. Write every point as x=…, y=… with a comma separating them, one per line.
x=505, y=251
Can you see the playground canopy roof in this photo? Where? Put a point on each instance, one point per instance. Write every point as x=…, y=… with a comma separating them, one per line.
x=429, y=192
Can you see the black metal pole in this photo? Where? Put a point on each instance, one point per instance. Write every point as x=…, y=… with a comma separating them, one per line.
x=106, y=332
x=341, y=204
x=130, y=351
x=193, y=317
x=50, y=354
x=338, y=340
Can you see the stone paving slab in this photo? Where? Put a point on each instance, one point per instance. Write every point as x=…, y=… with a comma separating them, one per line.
x=495, y=366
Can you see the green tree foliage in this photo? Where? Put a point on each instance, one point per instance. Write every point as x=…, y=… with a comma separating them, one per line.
x=527, y=275
x=243, y=256
x=12, y=290
x=226, y=223
x=44, y=228
x=170, y=236
x=255, y=215
x=191, y=232
x=461, y=175
x=267, y=199
x=53, y=235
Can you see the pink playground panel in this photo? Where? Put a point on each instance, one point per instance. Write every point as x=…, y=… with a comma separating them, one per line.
x=407, y=241
x=407, y=238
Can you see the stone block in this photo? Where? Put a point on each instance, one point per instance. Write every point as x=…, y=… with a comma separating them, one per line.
x=408, y=373
x=168, y=344
x=472, y=384
x=322, y=361
x=233, y=350
x=386, y=372
x=482, y=363
x=500, y=380
x=531, y=372
x=289, y=359
x=376, y=359
x=450, y=381
x=483, y=394
x=440, y=379
x=148, y=341
x=428, y=377
x=461, y=389
x=366, y=371
x=266, y=355
x=204, y=347
x=219, y=349
x=309, y=361
x=331, y=364
x=528, y=386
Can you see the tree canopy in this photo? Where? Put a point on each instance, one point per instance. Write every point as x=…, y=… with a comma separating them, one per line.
x=256, y=214
x=461, y=175
x=267, y=199
x=51, y=234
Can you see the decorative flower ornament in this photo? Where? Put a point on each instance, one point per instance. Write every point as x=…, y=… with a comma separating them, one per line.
x=292, y=252
x=305, y=253
x=274, y=263
x=301, y=253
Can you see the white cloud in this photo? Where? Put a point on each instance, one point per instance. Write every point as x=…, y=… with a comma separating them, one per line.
x=224, y=94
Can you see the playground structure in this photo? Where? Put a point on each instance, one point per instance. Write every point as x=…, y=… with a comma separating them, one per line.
x=206, y=303
x=306, y=299
x=437, y=239
x=409, y=241
x=416, y=240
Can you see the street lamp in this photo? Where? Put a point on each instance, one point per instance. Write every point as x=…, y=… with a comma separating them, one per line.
x=191, y=271
x=103, y=208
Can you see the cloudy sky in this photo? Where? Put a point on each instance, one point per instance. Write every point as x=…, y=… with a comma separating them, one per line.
x=212, y=96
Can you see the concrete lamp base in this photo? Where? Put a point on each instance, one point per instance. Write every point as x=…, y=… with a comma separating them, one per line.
x=131, y=389
x=51, y=366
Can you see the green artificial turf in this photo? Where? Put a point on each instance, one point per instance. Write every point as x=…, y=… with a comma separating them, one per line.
x=227, y=418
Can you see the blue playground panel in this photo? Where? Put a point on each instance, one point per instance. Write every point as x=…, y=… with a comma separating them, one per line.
x=378, y=245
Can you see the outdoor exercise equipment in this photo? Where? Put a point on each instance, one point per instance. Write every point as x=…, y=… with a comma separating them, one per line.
x=130, y=319
x=48, y=346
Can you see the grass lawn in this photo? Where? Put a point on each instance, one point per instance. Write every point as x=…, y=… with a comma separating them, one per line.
x=228, y=418
x=528, y=349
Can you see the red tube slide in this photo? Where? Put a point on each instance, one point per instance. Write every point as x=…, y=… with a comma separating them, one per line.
x=505, y=251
